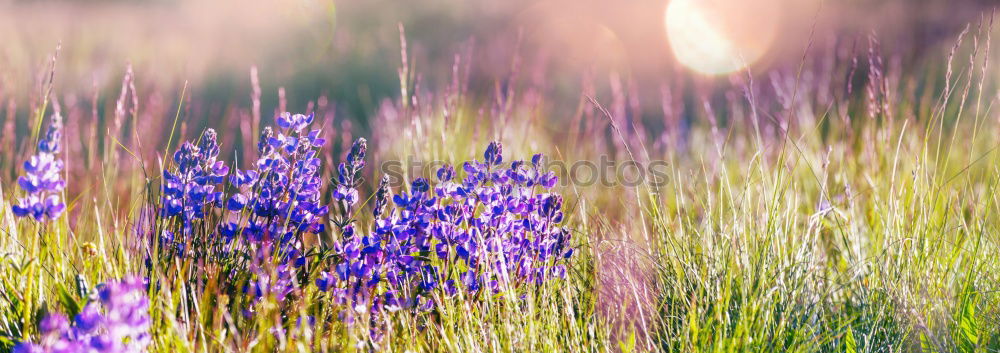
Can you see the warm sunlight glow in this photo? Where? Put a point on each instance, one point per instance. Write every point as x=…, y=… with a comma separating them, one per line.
x=721, y=36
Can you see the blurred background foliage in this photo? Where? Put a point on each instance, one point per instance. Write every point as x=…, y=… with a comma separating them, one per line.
x=342, y=59
x=349, y=50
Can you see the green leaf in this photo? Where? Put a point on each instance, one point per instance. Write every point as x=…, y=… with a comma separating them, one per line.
x=925, y=344
x=968, y=328
x=850, y=344
x=68, y=302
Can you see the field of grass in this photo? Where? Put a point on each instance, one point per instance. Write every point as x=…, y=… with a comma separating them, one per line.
x=846, y=203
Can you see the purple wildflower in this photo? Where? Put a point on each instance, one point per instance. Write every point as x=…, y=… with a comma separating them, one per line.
x=42, y=181
x=189, y=188
x=117, y=321
x=295, y=122
x=279, y=286
x=496, y=229
x=325, y=281
x=381, y=197
x=280, y=196
x=494, y=153
x=348, y=179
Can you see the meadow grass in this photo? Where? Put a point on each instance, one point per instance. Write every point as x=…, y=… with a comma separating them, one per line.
x=828, y=208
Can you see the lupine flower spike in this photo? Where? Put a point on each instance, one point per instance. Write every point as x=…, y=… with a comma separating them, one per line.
x=277, y=202
x=283, y=188
x=348, y=180
x=190, y=188
x=42, y=181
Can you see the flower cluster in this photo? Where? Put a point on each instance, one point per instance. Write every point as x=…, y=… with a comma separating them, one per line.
x=279, y=199
x=497, y=229
x=277, y=202
x=189, y=189
x=42, y=181
x=117, y=321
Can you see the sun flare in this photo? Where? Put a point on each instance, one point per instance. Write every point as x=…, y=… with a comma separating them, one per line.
x=720, y=36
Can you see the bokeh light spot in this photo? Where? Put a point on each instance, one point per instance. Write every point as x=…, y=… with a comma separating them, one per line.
x=721, y=36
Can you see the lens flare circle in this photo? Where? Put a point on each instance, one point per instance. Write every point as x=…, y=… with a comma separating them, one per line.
x=716, y=37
